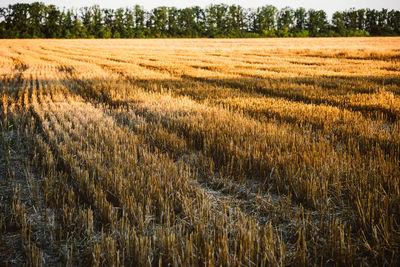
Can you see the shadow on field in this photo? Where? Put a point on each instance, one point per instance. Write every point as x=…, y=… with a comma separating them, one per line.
x=336, y=92
x=100, y=91
x=291, y=89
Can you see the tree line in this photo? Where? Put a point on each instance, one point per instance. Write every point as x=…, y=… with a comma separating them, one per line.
x=38, y=20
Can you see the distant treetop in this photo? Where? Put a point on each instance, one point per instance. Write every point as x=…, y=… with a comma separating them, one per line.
x=38, y=20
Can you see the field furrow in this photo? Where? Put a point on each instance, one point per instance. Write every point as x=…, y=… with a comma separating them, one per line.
x=199, y=152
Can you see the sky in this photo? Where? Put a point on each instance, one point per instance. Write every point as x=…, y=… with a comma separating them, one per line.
x=328, y=5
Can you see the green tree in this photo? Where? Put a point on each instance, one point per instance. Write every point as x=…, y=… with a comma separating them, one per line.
x=285, y=22
x=139, y=14
x=212, y=19
x=18, y=21
x=393, y=21
x=118, y=25
x=351, y=19
x=3, y=24
x=67, y=24
x=236, y=22
x=129, y=23
x=361, y=19
x=338, y=21
x=173, y=28
x=383, y=26
x=300, y=19
x=159, y=22
x=86, y=16
x=38, y=20
x=267, y=20
x=200, y=21
x=371, y=21
x=108, y=22
x=78, y=29
x=37, y=13
x=97, y=28
x=217, y=20
x=52, y=23
x=317, y=24
x=187, y=23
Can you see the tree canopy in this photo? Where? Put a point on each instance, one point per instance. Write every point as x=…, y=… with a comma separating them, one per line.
x=38, y=20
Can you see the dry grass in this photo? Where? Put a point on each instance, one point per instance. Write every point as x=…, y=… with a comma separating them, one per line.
x=200, y=152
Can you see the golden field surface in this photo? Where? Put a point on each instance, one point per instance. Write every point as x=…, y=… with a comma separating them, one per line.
x=225, y=152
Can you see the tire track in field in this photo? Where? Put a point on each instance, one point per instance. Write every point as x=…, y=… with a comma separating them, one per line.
x=363, y=141
x=70, y=71
x=366, y=142
x=320, y=230
x=385, y=146
x=247, y=193
x=253, y=86
x=27, y=212
x=148, y=120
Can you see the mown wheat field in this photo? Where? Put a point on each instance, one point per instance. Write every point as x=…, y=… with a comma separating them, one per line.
x=246, y=152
